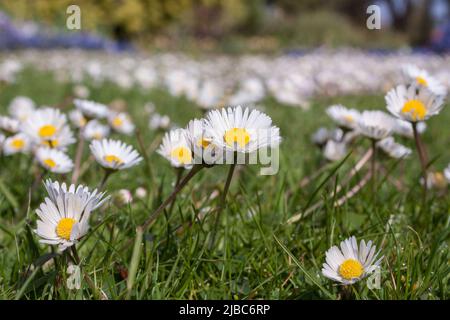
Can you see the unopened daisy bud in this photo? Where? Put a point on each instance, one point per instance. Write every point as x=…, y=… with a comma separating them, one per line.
x=141, y=193
x=114, y=154
x=81, y=91
x=335, y=151
x=447, y=173
x=159, y=122
x=123, y=197
x=351, y=262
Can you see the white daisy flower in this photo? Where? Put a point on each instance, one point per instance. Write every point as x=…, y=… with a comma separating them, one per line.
x=413, y=105
x=176, y=148
x=394, y=149
x=91, y=109
x=21, y=108
x=344, y=117
x=121, y=122
x=201, y=143
x=350, y=264
x=114, y=154
x=246, y=131
x=48, y=126
x=447, y=173
x=55, y=189
x=158, y=121
x=9, y=125
x=421, y=78
x=404, y=128
x=94, y=130
x=77, y=118
x=436, y=180
x=54, y=160
x=375, y=124
x=64, y=217
x=16, y=143
x=335, y=151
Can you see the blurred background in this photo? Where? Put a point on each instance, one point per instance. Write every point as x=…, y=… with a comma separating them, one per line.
x=228, y=26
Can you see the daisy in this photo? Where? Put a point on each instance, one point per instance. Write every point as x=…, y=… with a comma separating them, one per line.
x=413, y=105
x=158, y=121
x=375, y=125
x=335, y=151
x=9, y=125
x=394, y=149
x=350, y=263
x=94, y=130
x=91, y=109
x=344, y=117
x=121, y=122
x=404, y=128
x=176, y=148
x=20, y=108
x=201, y=143
x=77, y=118
x=16, y=143
x=55, y=189
x=53, y=160
x=447, y=173
x=114, y=154
x=436, y=180
x=48, y=126
x=234, y=130
x=64, y=217
x=421, y=78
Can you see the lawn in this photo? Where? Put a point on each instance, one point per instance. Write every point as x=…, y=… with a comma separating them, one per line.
x=257, y=253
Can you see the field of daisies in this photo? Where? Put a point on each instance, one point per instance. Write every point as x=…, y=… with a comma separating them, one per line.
x=131, y=176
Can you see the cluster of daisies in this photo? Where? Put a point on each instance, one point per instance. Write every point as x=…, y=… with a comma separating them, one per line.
x=45, y=133
x=217, y=137
x=409, y=104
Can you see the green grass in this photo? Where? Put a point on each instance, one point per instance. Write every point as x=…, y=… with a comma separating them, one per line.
x=257, y=255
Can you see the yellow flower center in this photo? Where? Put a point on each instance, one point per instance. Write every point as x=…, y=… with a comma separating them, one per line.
x=440, y=180
x=237, y=135
x=50, y=163
x=416, y=108
x=112, y=158
x=204, y=143
x=349, y=118
x=351, y=269
x=182, y=154
x=47, y=131
x=117, y=122
x=50, y=143
x=18, y=143
x=64, y=228
x=422, y=81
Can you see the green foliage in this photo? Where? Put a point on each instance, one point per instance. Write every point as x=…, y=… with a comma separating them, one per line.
x=257, y=254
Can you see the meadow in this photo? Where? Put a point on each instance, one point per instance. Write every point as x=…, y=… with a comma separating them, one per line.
x=258, y=252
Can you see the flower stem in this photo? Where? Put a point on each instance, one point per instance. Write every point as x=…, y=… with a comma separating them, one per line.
x=373, y=165
x=105, y=178
x=422, y=158
x=88, y=279
x=222, y=201
x=172, y=196
x=78, y=157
